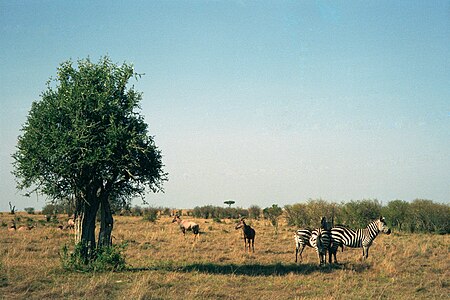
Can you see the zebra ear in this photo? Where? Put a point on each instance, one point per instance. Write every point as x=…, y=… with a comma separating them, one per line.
x=381, y=218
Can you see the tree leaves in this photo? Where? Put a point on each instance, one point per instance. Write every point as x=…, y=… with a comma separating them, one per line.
x=86, y=133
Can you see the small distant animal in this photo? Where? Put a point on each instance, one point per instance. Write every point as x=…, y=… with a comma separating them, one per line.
x=187, y=226
x=70, y=224
x=12, y=226
x=249, y=235
x=24, y=228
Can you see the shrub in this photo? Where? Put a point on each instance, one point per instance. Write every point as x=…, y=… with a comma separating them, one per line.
x=359, y=213
x=29, y=210
x=397, y=213
x=136, y=211
x=150, y=214
x=254, y=212
x=426, y=216
x=272, y=213
x=103, y=259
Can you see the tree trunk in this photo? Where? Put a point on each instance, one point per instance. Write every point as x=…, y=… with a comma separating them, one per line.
x=85, y=225
x=106, y=224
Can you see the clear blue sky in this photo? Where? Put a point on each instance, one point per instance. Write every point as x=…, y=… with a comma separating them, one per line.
x=261, y=102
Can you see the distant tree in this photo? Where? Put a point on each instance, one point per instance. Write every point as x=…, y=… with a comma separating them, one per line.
x=254, y=212
x=273, y=213
x=29, y=210
x=229, y=202
x=397, y=213
x=427, y=216
x=84, y=140
x=361, y=212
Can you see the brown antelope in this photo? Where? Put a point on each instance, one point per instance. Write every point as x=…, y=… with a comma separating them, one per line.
x=187, y=225
x=24, y=228
x=249, y=235
x=12, y=226
x=70, y=224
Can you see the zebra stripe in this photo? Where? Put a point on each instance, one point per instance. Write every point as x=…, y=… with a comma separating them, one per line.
x=341, y=236
x=302, y=239
x=321, y=241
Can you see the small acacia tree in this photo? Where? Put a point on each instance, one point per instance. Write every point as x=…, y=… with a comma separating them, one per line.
x=84, y=140
x=229, y=202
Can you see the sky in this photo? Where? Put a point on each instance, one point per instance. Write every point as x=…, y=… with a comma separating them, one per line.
x=260, y=102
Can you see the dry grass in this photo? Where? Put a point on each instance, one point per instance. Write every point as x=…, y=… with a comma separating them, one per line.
x=164, y=265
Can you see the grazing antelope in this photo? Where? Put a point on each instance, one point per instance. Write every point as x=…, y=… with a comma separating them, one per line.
x=249, y=235
x=187, y=225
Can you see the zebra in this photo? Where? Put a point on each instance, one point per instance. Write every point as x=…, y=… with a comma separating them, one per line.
x=321, y=241
x=360, y=238
x=302, y=239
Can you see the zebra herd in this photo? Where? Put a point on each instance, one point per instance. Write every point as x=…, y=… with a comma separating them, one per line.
x=327, y=239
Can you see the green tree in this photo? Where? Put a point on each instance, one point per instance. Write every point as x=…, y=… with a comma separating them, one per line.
x=229, y=202
x=396, y=213
x=361, y=212
x=254, y=212
x=84, y=140
x=273, y=213
x=427, y=216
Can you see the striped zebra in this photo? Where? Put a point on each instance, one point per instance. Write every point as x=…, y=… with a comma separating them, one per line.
x=360, y=238
x=302, y=239
x=321, y=241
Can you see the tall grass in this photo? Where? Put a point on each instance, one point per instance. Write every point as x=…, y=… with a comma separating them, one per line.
x=162, y=264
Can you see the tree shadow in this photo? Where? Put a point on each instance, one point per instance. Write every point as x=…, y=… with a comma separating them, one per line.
x=277, y=269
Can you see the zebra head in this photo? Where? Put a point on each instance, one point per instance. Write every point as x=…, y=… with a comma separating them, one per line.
x=382, y=226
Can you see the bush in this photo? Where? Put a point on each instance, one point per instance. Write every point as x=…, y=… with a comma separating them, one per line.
x=211, y=212
x=426, y=216
x=272, y=213
x=254, y=212
x=358, y=214
x=136, y=211
x=150, y=214
x=397, y=213
x=29, y=210
x=104, y=259
x=57, y=208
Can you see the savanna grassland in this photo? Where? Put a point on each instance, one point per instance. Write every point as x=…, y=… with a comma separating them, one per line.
x=164, y=265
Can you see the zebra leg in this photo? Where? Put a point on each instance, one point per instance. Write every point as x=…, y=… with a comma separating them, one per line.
x=301, y=251
x=332, y=252
x=365, y=252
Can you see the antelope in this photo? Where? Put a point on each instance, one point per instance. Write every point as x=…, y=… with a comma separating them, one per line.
x=249, y=235
x=23, y=228
x=12, y=226
x=187, y=225
x=70, y=224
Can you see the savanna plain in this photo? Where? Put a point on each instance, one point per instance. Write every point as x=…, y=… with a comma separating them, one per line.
x=162, y=264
